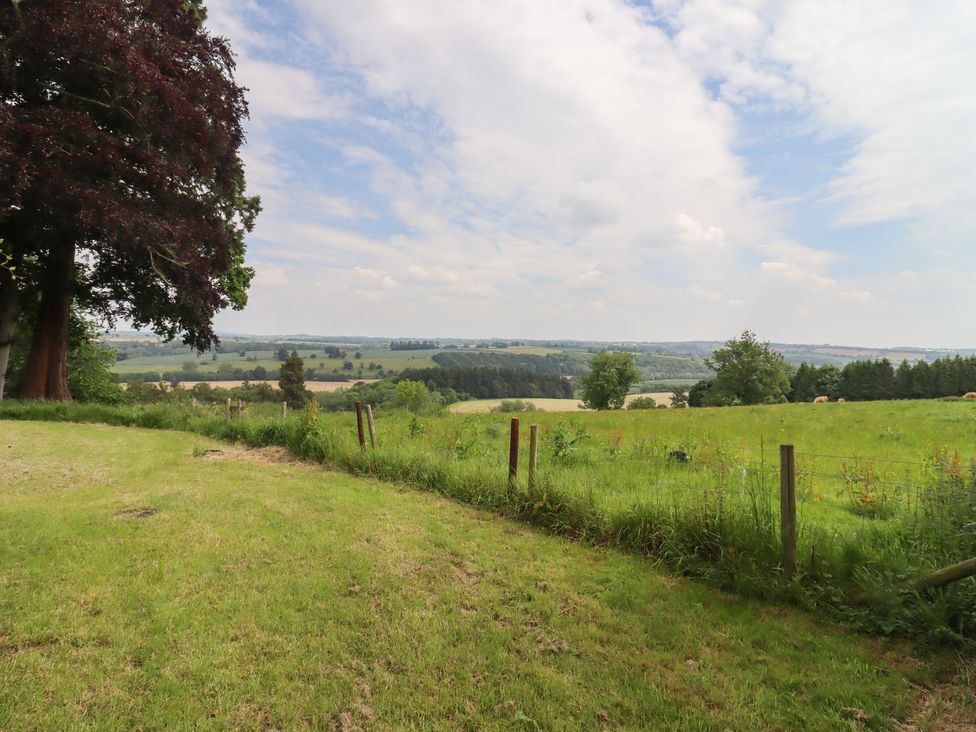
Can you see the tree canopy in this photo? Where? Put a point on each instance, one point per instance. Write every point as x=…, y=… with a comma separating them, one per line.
x=291, y=381
x=610, y=378
x=121, y=184
x=747, y=371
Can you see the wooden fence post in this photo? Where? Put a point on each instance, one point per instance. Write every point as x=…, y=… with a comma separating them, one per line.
x=533, y=453
x=228, y=409
x=372, y=426
x=787, y=507
x=513, y=450
x=359, y=424
x=284, y=409
x=240, y=408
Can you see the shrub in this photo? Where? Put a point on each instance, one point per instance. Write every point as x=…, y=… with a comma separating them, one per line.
x=514, y=405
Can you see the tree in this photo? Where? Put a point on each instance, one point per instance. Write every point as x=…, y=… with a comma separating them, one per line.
x=748, y=372
x=679, y=398
x=291, y=381
x=803, y=386
x=414, y=395
x=610, y=378
x=698, y=393
x=89, y=361
x=121, y=186
x=8, y=311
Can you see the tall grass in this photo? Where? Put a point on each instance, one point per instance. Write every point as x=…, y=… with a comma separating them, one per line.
x=715, y=518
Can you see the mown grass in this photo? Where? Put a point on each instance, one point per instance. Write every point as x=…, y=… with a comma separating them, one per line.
x=269, y=595
x=715, y=517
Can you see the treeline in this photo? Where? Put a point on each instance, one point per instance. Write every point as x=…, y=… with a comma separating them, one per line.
x=652, y=366
x=481, y=382
x=872, y=380
x=413, y=346
x=656, y=366
x=552, y=364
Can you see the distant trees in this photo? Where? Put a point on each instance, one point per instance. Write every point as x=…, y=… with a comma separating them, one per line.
x=291, y=381
x=413, y=395
x=492, y=383
x=698, y=393
x=643, y=402
x=413, y=345
x=679, y=398
x=748, y=371
x=610, y=378
x=809, y=382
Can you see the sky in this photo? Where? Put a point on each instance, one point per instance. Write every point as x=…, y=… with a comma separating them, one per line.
x=610, y=170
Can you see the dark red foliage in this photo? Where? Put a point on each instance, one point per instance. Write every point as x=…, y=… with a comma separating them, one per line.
x=120, y=131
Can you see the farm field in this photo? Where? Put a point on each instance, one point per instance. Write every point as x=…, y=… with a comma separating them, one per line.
x=314, y=386
x=484, y=406
x=388, y=360
x=159, y=579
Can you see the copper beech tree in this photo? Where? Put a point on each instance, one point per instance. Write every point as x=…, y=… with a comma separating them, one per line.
x=121, y=185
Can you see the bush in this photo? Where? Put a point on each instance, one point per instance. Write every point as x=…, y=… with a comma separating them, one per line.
x=644, y=402
x=515, y=405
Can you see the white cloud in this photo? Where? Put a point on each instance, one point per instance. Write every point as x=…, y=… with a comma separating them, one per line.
x=268, y=275
x=893, y=75
x=281, y=91
x=572, y=158
x=573, y=119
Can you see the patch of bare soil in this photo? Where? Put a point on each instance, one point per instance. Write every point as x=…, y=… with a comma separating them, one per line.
x=136, y=513
x=252, y=455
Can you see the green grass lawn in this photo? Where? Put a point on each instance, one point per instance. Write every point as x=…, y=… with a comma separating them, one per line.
x=265, y=594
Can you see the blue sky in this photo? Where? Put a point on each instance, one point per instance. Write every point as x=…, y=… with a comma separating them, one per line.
x=607, y=170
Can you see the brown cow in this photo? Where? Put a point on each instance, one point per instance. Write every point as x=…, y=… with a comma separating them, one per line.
x=969, y=395
x=821, y=400
x=841, y=400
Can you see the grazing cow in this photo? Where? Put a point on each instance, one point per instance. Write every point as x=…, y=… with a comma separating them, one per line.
x=841, y=400
x=821, y=400
x=969, y=395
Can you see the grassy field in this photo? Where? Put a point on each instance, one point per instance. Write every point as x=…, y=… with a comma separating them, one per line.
x=388, y=360
x=885, y=490
x=484, y=406
x=159, y=580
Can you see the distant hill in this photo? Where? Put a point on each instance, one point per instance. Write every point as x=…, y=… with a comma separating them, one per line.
x=566, y=357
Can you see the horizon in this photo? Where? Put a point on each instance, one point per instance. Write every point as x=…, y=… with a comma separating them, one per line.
x=353, y=338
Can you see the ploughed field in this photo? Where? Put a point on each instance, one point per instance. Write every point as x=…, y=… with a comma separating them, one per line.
x=153, y=579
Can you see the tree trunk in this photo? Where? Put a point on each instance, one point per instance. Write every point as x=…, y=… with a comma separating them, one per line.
x=9, y=297
x=46, y=374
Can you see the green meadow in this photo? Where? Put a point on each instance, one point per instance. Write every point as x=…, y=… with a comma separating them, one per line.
x=158, y=579
x=886, y=490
